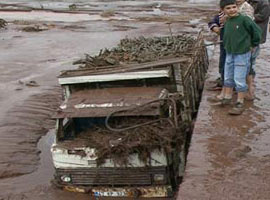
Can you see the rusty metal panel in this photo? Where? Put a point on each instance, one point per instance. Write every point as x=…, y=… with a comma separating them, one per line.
x=129, y=176
x=102, y=102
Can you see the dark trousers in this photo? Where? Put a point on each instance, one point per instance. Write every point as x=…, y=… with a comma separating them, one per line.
x=222, y=58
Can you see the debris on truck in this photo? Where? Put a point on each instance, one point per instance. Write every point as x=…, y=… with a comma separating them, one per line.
x=122, y=127
x=3, y=23
x=141, y=50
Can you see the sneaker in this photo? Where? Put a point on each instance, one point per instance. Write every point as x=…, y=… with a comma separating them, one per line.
x=225, y=102
x=238, y=109
x=214, y=99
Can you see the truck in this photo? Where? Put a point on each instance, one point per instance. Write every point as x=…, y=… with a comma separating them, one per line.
x=122, y=131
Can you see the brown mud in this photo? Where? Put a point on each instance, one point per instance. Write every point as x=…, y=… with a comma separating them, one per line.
x=38, y=57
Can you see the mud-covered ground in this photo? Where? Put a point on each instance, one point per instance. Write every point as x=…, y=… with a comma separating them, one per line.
x=36, y=46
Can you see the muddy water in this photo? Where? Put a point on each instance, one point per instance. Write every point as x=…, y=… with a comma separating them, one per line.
x=42, y=174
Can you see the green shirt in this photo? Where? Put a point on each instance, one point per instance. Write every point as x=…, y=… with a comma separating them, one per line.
x=240, y=34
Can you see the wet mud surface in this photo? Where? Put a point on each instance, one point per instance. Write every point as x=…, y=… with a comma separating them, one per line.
x=31, y=60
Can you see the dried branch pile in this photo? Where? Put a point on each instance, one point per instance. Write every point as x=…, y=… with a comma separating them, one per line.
x=3, y=23
x=140, y=50
x=142, y=140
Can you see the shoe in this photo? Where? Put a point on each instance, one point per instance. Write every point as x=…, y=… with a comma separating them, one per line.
x=214, y=99
x=238, y=109
x=225, y=102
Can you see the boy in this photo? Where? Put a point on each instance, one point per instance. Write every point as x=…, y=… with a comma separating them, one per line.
x=241, y=34
x=216, y=25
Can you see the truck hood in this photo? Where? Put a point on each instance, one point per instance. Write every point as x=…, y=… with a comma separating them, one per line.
x=126, y=101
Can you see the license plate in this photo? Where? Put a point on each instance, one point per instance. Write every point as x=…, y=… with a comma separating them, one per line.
x=110, y=194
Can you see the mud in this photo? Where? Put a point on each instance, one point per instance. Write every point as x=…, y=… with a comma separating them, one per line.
x=26, y=168
x=29, y=95
x=19, y=137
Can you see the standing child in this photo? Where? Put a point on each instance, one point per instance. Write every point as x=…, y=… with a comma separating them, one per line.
x=216, y=25
x=241, y=34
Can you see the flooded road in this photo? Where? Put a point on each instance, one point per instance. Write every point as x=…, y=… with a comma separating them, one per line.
x=29, y=92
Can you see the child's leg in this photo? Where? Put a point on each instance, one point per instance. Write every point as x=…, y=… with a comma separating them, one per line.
x=251, y=76
x=241, y=68
x=251, y=88
x=229, y=76
x=222, y=60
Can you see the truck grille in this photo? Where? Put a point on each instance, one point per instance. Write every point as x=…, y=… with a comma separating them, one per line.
x=134, y=176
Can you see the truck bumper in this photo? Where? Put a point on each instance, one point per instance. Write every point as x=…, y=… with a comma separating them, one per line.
x=133, y=192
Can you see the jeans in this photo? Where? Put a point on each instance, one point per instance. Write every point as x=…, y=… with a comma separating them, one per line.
x=254, y=56
x=236, y=71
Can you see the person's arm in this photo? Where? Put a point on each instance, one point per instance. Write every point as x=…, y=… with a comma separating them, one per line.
x=214, y=24
x=254, y=31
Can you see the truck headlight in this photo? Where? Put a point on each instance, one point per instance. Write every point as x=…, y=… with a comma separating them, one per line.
x=65, y=178
x=159, y=177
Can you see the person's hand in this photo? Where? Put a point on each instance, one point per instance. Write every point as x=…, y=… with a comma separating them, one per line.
x=223, y=19
x=216, y=30
x=252, y=50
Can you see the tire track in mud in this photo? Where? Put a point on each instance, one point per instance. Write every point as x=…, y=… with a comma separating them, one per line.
x=22, y=128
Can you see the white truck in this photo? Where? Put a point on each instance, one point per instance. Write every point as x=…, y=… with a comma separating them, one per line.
x=121, y=131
